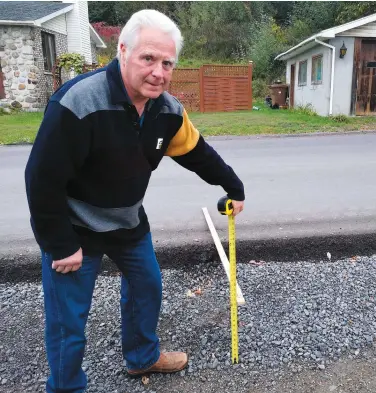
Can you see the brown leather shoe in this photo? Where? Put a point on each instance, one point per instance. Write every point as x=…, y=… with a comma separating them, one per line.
x=168, y=362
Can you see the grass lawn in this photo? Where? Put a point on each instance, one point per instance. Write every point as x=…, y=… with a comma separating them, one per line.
x=22, y=127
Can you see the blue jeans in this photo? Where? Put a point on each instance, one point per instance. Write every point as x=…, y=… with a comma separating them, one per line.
x=67, y=300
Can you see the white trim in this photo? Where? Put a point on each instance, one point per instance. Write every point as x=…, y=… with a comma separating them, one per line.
x=350, y=25
x=38, y=22
x=17, y=22
x=284, y=56
x=331, y=74
x=99, y=43
x=328, y=33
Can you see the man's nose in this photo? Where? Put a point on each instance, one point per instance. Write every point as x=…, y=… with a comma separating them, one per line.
x=158, y=70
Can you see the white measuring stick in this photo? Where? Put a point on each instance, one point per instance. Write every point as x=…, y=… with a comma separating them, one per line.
x=226, y=264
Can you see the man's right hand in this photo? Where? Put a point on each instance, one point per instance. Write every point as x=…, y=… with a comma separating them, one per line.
x=69, y=264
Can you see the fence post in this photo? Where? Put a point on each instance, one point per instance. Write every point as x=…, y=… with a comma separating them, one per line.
x=250, y=65
x=201, y=86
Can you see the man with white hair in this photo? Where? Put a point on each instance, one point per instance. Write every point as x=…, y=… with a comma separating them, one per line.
x=102, y=135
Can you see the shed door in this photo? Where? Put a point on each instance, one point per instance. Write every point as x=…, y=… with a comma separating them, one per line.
x=366, y=81
x=2, y=91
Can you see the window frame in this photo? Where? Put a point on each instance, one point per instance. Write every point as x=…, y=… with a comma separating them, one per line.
x=49, y=50
x=314, y=58
x=304, y=83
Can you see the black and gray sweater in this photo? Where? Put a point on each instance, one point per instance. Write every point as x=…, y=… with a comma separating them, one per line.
x=91, y=162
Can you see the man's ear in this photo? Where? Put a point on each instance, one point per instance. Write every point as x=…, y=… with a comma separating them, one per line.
x=123, y=50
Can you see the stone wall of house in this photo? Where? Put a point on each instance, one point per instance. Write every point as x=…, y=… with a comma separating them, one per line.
x=17, y=63
x=26, y=84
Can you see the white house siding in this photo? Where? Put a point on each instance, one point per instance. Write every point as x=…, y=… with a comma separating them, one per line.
x=78, y=30
x=365, y=31
x=343, y=76
x=85, y=30
x=316, y=95
x=57, y=24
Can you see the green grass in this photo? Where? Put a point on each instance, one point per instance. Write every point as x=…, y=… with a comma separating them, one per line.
x=268, y=121
x=22, y=127
x=19, y=128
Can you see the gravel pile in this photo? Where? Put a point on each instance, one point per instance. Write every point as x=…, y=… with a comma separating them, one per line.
x=297, y=315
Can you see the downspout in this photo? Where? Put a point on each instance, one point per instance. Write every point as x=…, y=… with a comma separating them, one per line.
x=332, y=74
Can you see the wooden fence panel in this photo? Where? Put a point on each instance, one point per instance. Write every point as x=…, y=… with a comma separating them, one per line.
x=185, y=86
x=213, y=88
x=226, y=88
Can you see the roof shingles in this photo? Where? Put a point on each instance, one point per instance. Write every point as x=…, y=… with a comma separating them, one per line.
x=29, y=10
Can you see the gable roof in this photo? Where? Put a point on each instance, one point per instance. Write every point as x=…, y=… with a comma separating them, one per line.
x=27, y=12
x=325, y=34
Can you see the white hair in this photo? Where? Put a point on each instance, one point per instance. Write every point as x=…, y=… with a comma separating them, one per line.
x=148, y=18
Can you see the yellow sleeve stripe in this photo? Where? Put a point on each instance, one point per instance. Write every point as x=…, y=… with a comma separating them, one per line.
x=185, y=139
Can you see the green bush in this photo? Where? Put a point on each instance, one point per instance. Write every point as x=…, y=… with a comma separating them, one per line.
x=71, y=61
x=340, y=118
x=306, y=109
x=10, y=110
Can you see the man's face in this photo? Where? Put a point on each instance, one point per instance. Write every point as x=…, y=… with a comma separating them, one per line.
x=148, y=70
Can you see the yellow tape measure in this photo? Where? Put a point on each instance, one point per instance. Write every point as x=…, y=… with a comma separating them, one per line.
x=225, y=208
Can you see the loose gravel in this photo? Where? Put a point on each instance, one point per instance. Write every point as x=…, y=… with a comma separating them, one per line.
x=298, y=316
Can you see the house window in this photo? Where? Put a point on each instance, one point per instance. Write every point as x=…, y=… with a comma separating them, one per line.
x=302, y=77
x=49, y=51
x=317, y=70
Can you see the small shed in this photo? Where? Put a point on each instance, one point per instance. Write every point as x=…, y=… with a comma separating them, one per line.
x=335, y=69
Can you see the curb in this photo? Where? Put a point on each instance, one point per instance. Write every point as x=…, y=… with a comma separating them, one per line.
x=26, y=267
x=253, y=136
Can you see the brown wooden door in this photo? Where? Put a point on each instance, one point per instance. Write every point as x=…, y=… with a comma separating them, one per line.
x=366, y=80
x=2, y=90
x=292, y=85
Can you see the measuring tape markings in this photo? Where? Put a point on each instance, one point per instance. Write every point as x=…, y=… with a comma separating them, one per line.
x=233, y=302
x=225, y=207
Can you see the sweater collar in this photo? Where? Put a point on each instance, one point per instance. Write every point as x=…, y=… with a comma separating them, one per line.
x=118, y=92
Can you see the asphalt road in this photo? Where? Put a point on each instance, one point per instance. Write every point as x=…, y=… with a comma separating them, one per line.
x=303, y=186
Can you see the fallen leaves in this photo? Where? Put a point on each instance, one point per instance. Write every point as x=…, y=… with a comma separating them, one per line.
x=196, y=292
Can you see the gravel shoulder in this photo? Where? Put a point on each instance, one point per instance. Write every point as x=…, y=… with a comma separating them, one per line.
x=306, y=327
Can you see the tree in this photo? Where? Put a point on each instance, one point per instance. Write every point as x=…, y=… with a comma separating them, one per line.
x=221, y=31
x=103, y=11
x=218, y=30
x=266, y=45
x=310, y=17
x=349, y=11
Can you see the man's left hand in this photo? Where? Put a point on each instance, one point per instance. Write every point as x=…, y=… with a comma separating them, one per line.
x=238, y=207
